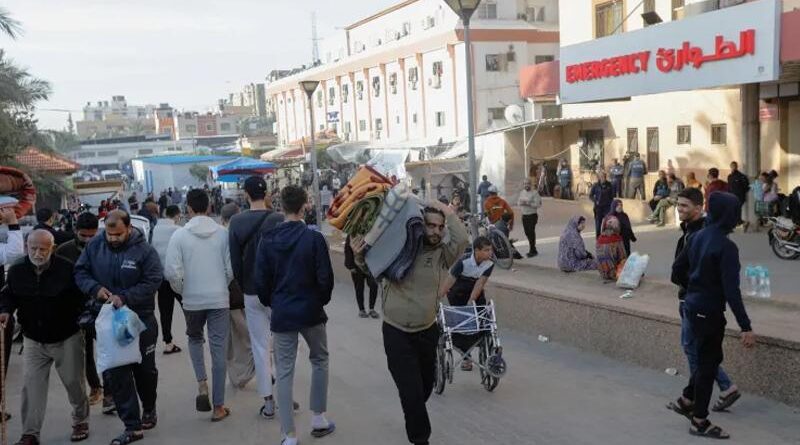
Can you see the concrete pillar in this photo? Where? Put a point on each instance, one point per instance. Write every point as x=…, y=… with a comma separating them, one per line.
x=751, y=144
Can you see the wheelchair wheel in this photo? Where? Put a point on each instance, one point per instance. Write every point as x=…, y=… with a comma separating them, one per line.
x=503, y=253
x=441, y=368
x=450, y=367
x=486, y=351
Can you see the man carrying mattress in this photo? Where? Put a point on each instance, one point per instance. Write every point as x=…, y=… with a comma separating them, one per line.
x=410, y=333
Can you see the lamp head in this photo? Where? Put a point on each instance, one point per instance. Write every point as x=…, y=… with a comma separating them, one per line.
x=309, y=86
x=463, y=8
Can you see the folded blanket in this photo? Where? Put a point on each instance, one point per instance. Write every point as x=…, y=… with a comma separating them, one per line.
x=364, y=192
x=387, y=248
x=363, y=216
x=393, y=203
x=365, y=181
x=415, y=231
x=18, y=185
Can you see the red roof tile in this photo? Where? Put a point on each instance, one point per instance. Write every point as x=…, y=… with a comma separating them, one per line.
x=35, y=159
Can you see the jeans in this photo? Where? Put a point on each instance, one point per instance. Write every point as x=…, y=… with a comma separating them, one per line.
x=688, y=343
x=285, y=357
x=67, y=356
x=529, y=225
x=138, y=381
x=166, y=306
x=616, y=186
x=566, y=189
x=257, y=316
x=412, y=363
x=709, y=332
x=358, y=282
x=219, y=327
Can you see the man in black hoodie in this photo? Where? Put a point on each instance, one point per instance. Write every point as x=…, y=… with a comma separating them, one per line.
x=41, y=290
x=244, y=234
x=710, y=264
x=295, y=279
x=739, y=185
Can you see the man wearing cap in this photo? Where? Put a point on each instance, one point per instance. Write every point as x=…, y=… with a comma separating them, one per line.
x=495, y=207
x=244, y=235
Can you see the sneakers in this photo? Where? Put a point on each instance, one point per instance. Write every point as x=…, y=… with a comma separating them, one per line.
x=267, y=411
x=202, y=403
x=108, y=406
x=363, y=314
x=374, y=314
x=95, y=396
x=321, y=427
x=532, y=254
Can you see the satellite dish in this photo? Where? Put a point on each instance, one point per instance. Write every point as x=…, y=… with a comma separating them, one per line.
x=514, y=114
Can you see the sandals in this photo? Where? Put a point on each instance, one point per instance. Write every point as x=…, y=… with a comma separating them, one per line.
x=679, y=407
x=149, y=420
x=226, y=413
x=127, y=437
x=708, y=429
x=322, y=432
x=79, y=432
x=175, y=349
x=726, y=402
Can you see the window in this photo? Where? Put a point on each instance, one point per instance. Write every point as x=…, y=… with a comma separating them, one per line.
x=378, y=128
x=684, y=134
x=359, y=90
x=108, y=153
x=534, y=14
x=191, y=128
x=376, y=86
x=542, y=59
x=225, y=127
x=331, y=95
x=145, y=151
x=496, y=62
x=362, y=125
x=496, y=113
x=397, y=120
x=86, y=154
x=438, y=70
x=406, y=29
x=345, y=93
x=440, y=118
x=719, y=134
x=414, y=118
x=633, y=140
x=393, y=83
x=209, y=127
x=487, y=10
x=347, y=127
x=551, y=111
x=591, y=154
x=677, y=8
x=413, y=77
x=652, y=149
x=608, y=18
x=319, y=99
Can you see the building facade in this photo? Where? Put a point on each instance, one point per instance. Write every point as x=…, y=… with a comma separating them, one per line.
x=115, y=118
x=399, y=75
x=692, y=117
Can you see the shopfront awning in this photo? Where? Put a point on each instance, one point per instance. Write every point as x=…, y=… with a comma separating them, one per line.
x=283, y=154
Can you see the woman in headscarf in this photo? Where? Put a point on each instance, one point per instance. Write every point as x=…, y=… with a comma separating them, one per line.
x=572, y=254
x=610, y=250
x=625, y=228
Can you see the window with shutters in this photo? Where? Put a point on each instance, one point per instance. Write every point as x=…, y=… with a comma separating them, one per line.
x=677, y=8
x=652, y=149
x=440, y=118
x=345, y=93
x=413, y=77
x=684, y=134
x=719, y=134
x=608, y=18
x=633, y=140
x=360, y=90
x=487, y=9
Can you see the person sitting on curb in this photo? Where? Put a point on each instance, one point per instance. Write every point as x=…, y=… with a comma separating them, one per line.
x=572, y=254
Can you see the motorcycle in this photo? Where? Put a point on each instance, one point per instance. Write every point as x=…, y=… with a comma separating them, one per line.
x=784, y=238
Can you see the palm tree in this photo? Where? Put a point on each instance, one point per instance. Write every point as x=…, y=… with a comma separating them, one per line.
x=9, y=26
x=18, y=89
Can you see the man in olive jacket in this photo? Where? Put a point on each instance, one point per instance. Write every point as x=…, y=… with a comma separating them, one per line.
x=410, y=333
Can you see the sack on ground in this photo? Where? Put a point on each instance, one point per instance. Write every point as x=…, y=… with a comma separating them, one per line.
x=110, y=353
x=632, y=272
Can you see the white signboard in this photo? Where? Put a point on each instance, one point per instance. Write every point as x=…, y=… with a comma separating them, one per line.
x=729, y=46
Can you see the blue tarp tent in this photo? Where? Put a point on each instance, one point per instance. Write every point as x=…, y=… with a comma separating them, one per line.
x=241, y=168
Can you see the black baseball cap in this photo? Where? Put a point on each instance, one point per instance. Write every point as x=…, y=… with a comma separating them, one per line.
x=255, y=187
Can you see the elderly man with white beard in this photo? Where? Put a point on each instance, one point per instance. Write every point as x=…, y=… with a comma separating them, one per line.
x=41, y=288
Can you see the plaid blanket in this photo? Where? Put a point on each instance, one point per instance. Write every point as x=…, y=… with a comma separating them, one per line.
x=363, y=215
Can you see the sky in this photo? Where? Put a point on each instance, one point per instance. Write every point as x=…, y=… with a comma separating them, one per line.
x=189, y=53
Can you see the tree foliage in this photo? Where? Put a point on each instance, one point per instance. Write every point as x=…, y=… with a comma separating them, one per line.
x=200, y=172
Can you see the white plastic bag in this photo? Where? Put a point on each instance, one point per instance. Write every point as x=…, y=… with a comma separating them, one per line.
x=633, y=271
x=110, y=354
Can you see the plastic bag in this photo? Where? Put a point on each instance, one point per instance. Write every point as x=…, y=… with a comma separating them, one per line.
x=110, y=353
x=127, y=326
x=633, y=271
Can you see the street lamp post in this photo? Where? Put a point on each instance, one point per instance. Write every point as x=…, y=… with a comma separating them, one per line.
x=464, y=9
x=309, y=86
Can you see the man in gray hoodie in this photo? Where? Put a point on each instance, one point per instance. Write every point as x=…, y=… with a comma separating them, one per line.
x=198, y=267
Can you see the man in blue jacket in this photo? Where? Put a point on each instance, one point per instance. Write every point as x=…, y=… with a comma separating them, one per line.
x=710, y=260
x=295, y=279
x=119, y=266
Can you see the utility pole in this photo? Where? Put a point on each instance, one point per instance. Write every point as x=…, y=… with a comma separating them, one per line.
x=314, y=40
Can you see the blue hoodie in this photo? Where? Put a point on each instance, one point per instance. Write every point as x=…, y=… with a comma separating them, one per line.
x=711, y=261
x=132, y=271
x=294, y=276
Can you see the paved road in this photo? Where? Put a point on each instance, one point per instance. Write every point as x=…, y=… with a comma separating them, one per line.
x=552, y=395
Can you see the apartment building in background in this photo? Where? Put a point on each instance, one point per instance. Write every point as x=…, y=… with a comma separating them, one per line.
x=670, y=77
x=116, y=118
x=399, y=75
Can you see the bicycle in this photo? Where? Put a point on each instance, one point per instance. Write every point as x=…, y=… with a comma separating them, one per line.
x=502, y=251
